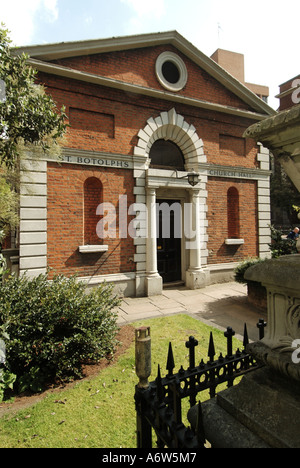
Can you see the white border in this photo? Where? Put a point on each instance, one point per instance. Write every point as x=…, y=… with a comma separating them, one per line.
x=179, y=63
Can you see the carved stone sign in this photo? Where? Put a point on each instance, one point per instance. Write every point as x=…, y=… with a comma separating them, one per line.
x=235, y=173
x=105, y=161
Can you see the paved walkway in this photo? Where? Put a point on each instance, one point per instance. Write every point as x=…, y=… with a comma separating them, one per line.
x=220, y=305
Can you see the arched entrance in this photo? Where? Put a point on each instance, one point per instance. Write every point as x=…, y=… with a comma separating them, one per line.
x=166, y=155
x=171, y=126
x=171, y=148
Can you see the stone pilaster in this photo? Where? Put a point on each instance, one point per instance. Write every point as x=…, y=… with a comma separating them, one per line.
x=33, y=218
x=153, y=279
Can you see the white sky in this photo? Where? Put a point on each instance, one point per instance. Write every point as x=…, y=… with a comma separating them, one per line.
x=265, y=31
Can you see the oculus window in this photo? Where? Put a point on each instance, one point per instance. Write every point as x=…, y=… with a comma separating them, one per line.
x=171, y=71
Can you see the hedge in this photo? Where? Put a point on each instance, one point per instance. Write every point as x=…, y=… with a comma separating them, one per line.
x=53, y=328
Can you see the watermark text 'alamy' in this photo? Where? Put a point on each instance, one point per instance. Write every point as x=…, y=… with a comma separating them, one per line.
x=175, y=220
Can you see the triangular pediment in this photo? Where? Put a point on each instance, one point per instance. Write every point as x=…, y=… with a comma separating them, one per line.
x=131, y=60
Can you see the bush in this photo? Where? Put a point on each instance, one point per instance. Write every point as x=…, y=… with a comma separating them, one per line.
x=280, y=245
x=55, y=328
x=240, y=270
x=7, y=378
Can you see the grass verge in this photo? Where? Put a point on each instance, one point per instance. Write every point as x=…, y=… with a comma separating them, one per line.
x=99, y=412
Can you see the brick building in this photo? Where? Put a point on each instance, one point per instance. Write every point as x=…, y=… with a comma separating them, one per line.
x=289, y=93
x=234, y=63
x=145, y=112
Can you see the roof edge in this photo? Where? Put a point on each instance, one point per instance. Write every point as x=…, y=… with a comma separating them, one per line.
x=48, y=52
x=58, y=50
x=70, y=73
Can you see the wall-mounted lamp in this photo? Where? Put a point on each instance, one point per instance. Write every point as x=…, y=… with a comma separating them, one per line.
x=192, y=177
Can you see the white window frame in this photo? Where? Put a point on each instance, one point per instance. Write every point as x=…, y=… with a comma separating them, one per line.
x=179, y=63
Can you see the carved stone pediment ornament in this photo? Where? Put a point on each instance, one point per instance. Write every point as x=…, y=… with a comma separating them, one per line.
x=279, y=361
x=285, y=344
x=279, y=355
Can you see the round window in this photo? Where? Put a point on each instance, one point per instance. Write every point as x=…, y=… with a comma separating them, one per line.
x=171, y=71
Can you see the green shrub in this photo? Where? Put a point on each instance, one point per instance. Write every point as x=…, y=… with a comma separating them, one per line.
x=55, y=327
x=280, y=245
x=240, y=270
x=7, y=378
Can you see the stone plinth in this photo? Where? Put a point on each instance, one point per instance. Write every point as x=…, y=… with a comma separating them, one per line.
x=263, y=410
x=281, y=278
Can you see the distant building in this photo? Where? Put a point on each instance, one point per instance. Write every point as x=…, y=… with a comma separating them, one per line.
x=146, y=113
x=234, y=63
x=289, y=94
x=284, y=216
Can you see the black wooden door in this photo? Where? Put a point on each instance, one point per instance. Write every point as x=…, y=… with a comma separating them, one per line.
x=169, y=244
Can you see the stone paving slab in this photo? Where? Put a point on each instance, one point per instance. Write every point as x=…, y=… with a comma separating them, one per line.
x=220, y=305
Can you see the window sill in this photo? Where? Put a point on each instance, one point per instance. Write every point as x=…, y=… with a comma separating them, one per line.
x=234, y=241
x=85, y=249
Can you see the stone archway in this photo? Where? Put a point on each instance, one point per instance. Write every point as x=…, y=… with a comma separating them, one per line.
x=172, y=126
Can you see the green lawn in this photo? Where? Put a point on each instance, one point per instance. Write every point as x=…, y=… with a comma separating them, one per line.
x=100, y=412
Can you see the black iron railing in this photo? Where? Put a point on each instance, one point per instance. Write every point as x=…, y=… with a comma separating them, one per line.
x=159, y=405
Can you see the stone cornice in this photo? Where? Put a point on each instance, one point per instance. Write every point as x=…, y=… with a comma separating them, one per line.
x=273, y=124
x=281, y=134
x=70, y=73
x=59, y=50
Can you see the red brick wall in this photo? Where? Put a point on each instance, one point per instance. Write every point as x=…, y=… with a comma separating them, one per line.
x=108, y=120
x=218, y=220
x=137, y=66
x=93, y=122
x=130, y=114
x=291, y=99
x=66, y=220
